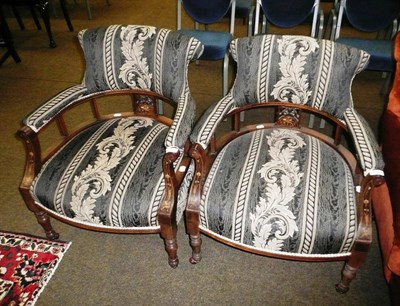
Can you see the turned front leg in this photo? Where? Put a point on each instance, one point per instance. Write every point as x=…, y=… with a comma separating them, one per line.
x=348, y=274
x=44, y=220
x=171, y=246
x=195, y=243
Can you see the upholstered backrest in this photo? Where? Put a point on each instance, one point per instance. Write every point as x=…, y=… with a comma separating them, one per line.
x=297, y=69
x=206, y=11
x=142, y=57
x=288, y=13
x=371, y=15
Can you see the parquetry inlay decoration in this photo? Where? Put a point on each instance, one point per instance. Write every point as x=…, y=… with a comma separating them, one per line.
x=293, y=85
x=272, y=222
x=95, y=180
x=135, y=71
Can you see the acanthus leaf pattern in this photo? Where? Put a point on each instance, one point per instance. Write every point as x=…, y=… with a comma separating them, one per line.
x=95, y=180
x=135, y=71
x=271, y=221
x=293, y=85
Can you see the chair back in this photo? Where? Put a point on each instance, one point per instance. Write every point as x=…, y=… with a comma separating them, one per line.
x=206, y=11
x=151, y=59
x=295, y=69
x=288, y=13
x=367, y=16
x=216, y=42
x=243, y=8
x=371, y=15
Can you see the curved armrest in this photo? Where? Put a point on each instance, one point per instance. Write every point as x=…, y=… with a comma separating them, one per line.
x=182, y=124
x=367, y=147
x=205, y=127
x=47, y=111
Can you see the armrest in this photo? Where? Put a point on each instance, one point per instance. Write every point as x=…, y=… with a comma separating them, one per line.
x=182, y=123
x=368, y=151
x=205, y=127
x=47, y=111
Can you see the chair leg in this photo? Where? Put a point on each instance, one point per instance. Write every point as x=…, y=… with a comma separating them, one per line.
x=168, y=233
x=348, y=274
x=195, y=243
x=356, y=260
x=10, y=51
x=35, y=18
x=171, y=246
x=44, y=11
x=44, y=221
x=66, y=15
x=388, y=76
x=18, y=17
x=89, y=11
x=41, y=216
x=192, y=228
x=8, y=42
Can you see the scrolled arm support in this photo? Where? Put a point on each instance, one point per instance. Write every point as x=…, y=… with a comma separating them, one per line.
x=33, y=161
x=368, y=183
x=198, y=154
x=171, y=184
x=167, y=210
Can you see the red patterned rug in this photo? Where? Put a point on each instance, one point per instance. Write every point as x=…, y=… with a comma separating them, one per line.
x=26, y=266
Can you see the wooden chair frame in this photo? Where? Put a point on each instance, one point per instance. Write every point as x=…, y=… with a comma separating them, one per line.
x=287, y=115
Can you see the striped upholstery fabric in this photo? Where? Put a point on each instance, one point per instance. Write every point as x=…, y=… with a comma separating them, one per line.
x=300, y=70
x=281, y=191
x=288, y=68
x=132, y=56
x=110, y=175
x=278, y=190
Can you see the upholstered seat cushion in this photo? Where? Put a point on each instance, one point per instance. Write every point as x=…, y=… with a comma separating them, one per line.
x=107, y=175
x=280, y=191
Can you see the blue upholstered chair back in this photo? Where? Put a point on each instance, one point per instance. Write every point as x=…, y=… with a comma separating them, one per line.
x=243, y=8
x=206, y=11
x=287, y=13
x=371, y=15
x=215, y=42
x=296, y=69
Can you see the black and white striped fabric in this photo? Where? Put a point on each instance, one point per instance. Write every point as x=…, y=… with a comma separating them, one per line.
x=300, y=70
x=278, y=190
x=110, y=175
x=132, y=56
x=281, y=191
